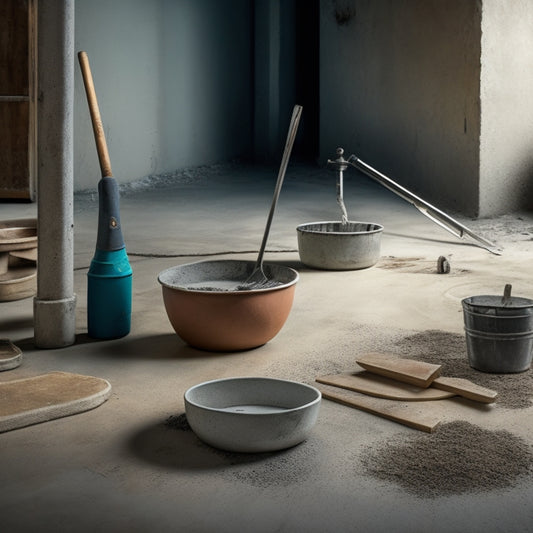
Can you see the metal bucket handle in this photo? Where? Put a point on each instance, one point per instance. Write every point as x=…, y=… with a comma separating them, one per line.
x=506, y=298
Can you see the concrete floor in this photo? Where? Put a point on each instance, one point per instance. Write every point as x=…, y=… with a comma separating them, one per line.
x=119, y=468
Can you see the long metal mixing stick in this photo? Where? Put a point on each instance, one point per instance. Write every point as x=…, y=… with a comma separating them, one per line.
x=258, y=278
x=293, y=128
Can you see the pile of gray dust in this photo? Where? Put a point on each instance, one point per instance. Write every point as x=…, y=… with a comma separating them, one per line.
x=458, y=458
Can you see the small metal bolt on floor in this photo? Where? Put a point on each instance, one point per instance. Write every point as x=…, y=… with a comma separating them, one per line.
x=443, y=265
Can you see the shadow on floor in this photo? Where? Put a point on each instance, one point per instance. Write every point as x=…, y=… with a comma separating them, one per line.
x=16, y=323
x=162, y=346
x=163, y=445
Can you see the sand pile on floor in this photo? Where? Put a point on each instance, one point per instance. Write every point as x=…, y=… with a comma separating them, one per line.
x=458, y=458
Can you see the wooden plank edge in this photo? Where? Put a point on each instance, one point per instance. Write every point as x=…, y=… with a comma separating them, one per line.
x=333, y=381
x=359, y=403
x=466, y=389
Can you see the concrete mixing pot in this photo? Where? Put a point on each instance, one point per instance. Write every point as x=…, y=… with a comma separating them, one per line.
x=208, y=312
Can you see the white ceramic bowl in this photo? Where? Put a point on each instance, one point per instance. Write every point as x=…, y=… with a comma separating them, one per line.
x=252, y=414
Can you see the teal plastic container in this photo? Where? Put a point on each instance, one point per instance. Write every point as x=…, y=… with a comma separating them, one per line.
x=109, y=288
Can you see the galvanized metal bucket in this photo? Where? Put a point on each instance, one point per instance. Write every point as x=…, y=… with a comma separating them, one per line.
x=499, y=332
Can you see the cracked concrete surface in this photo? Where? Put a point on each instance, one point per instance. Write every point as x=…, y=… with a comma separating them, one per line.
x=120, y=468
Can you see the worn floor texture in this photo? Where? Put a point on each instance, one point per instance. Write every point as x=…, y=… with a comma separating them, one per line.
x=133, y=465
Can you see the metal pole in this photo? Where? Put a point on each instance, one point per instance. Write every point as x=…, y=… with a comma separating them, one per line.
x=55, y=303
x=436, y=215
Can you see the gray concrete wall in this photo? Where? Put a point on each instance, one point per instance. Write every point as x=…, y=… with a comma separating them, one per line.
x=173, y=79
x=506, y=154
x=399, y=87
x=274, y=76
x=433, y=93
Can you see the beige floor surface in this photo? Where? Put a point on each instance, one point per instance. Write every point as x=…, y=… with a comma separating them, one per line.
x=120, y=468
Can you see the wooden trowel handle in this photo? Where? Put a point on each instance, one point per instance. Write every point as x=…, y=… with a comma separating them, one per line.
x=98, y=128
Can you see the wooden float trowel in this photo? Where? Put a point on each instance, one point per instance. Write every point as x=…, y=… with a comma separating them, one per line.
x=402, y=391
x=424, y=375
x=406, y=370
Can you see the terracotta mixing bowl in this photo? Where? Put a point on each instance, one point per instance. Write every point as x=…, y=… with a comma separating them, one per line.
x=207, y=311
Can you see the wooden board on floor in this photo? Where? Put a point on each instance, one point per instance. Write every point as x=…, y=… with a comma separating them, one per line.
x=410, y=414
x=383, y=387
x=24, y=402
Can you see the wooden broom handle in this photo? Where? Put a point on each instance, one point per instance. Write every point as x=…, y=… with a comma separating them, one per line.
x=98, y=128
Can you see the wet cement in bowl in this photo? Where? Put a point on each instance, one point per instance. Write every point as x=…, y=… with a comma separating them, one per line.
x=223, y=276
